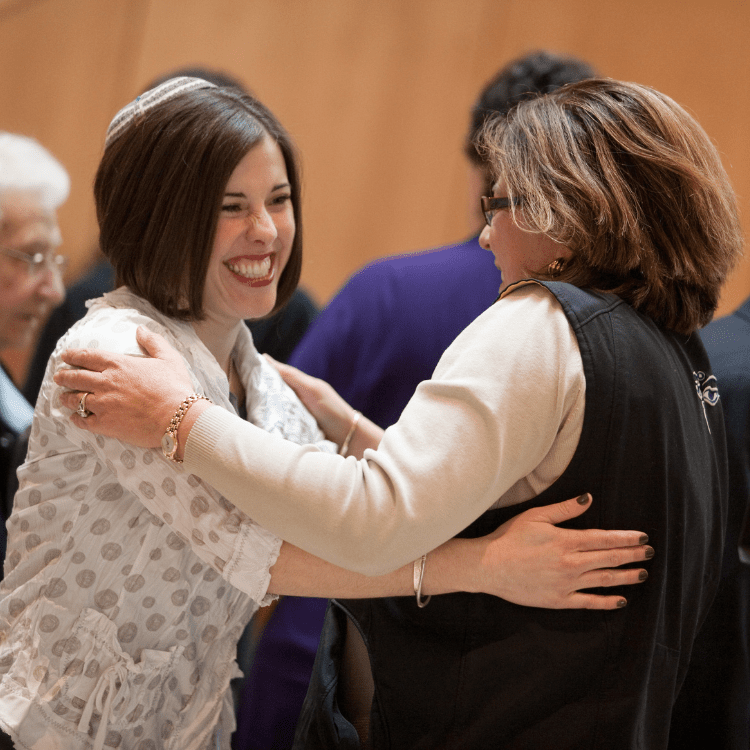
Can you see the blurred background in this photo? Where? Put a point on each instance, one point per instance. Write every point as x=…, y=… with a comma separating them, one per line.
x=376, y=95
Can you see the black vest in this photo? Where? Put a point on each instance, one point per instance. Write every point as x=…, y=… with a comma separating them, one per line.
x=474, y=671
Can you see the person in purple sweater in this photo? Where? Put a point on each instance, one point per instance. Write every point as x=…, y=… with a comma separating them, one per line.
x=378, y=338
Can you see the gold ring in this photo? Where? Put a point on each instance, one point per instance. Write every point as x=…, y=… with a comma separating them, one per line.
x=82, y=411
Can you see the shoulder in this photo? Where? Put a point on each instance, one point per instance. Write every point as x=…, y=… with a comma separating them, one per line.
x=400, y=283
x=527, y=306
x=111, y=324
x=527, y=325
x=423, y=264
x=727, y=342
x=730, y=333
x=113, y=329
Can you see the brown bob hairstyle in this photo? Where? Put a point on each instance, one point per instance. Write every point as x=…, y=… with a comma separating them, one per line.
x=630, y=183
x=159, y=190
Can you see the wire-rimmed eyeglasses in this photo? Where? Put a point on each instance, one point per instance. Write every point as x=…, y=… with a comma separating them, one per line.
x=490, y=205
x=36, y=263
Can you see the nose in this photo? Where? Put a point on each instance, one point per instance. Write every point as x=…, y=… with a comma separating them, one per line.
x=262, y=228
x=484, y=238
x=50, y=285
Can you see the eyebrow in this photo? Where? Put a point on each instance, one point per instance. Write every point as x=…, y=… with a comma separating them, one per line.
x=273, y=190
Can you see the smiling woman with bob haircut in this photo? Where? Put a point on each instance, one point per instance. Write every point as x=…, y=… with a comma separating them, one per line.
x=128, y=579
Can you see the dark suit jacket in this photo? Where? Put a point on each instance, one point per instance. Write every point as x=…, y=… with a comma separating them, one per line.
x=713, y=708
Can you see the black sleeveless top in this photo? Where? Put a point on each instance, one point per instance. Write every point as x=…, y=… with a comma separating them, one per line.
x=474, y=671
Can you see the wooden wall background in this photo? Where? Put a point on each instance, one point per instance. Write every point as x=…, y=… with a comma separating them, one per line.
x=375, y=92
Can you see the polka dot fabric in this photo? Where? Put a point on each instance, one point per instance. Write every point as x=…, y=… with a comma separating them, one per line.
x=128, y=580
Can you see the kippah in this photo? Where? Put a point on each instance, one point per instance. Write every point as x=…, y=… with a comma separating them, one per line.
x=150, y=99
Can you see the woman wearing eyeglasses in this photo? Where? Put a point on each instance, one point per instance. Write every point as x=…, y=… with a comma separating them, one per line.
x=614, y=226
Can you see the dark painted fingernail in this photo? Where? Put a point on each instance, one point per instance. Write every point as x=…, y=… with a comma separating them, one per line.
x=583, y=499
x=643, y=539
x=649, y=553
x=621, y=604
x=643, y=575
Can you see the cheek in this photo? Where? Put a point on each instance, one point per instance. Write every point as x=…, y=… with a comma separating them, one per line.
x=13, y=290
x=223, y=238
x=286, y=230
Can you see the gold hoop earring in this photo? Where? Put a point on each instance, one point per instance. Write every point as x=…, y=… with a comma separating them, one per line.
x=556, y=267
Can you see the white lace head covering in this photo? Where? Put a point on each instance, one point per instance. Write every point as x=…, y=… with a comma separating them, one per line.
x=150, y=99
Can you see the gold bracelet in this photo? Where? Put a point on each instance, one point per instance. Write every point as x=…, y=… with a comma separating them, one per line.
x=350, y=434
x=419, y=566
x=169, y=441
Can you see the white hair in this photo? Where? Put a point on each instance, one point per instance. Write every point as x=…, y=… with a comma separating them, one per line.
x=27, y=167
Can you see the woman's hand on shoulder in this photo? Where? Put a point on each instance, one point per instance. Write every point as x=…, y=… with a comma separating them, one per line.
x=130, y=398
x=333, y=415
x=531, y=561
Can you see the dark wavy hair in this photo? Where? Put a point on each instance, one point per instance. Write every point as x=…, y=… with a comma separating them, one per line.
x=159, y=189
x=534, y=73
x=632, y=186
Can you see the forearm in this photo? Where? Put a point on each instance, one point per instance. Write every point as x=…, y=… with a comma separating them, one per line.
x=371, y=516
x=367, y=435
x=449, y=568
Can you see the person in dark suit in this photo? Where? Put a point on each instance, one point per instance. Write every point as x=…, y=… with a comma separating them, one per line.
x=713, y=708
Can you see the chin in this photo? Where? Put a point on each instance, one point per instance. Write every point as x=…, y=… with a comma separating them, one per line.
x=260, y=309
x=18, y=340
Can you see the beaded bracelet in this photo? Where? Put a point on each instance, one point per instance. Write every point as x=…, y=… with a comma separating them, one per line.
x=169, y=441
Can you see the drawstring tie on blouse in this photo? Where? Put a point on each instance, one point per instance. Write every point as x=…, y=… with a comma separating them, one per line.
x=108, y=680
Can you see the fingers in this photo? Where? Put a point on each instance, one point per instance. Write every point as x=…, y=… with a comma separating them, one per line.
x=154, y=344
x=614, y=558
x=71, y=399
x=593, y=601
x=564, y=511
x=583, y=599
x=597, y=539
x=77, y=380
x=89, y=423
x=292, y=376
x=595, y=579
x=275, y=362
x=89, y=359
x=317, y=396
x=590, y=539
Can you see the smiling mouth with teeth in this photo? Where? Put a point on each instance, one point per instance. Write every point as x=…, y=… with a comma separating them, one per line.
x=252, y=270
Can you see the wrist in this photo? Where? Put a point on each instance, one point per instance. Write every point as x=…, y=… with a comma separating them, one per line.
x=186, y=425
x=463, y=565
x=175, y=436
x=367, y=435
x=352, y=429
x=454, y=566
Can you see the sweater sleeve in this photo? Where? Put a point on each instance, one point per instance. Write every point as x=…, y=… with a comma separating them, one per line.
x=492, y=413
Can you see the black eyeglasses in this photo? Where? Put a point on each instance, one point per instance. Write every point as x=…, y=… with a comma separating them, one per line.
x=490, y=205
